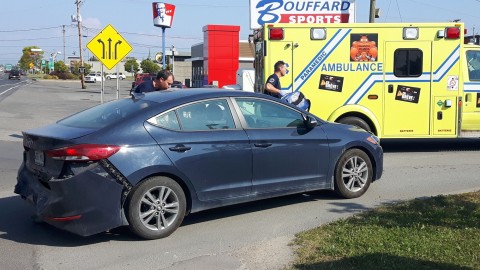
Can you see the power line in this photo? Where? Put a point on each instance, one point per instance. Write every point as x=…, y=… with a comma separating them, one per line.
x=26, y=30
x=23, y=39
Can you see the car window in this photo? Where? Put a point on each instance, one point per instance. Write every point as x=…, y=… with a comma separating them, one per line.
x=166, y=120
x=260, y=113
x=105, y=114
x=206, y=115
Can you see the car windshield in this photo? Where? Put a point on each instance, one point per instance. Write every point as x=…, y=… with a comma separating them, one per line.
x=106, y=114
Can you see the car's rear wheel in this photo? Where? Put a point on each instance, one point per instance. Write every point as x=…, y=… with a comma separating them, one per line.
x=353, y=174
x=156, y=208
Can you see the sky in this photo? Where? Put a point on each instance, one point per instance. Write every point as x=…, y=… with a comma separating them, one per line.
x=40, y=23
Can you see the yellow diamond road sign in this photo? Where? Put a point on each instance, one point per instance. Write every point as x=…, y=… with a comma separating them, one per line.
x=109, y=46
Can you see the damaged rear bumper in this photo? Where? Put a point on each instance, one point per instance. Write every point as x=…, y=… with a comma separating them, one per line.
x=85, y=203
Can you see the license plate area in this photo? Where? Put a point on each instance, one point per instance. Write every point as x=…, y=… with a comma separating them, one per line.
x=39, y=158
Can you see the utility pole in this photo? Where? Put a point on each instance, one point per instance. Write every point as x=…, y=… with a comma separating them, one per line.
x=64, y=52
x=372, y=11
x=79, y=25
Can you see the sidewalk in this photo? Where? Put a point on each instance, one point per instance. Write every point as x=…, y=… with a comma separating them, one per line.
x=45, y=101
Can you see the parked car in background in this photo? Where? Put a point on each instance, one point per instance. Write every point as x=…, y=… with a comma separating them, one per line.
x=148, y=161
x=178, y=84
x=14, y=74
x=120, y=75
x=140, y=78
x=94, y=77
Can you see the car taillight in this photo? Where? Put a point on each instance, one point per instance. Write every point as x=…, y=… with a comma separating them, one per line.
x=84, y=152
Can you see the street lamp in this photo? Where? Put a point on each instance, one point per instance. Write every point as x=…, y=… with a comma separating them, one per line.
x=53, y=56
x=173, y=50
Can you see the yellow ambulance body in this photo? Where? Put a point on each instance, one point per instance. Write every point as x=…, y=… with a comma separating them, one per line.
x=415, y=80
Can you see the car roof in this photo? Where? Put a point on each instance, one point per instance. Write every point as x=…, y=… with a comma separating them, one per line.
x=192, y=94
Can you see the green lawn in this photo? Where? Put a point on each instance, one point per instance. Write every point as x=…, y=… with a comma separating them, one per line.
x=441, y=232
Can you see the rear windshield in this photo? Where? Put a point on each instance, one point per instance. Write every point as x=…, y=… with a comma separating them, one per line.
x=106, y=114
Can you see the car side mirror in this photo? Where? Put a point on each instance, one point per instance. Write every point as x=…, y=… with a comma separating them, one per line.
x=309, y=122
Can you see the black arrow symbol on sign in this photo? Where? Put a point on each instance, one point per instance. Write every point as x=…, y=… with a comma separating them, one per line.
x=103, y=47
x=116, y=44
x=109, y=48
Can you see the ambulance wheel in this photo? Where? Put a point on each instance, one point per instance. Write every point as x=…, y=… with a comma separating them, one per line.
x=353, y=174
x=355, y=121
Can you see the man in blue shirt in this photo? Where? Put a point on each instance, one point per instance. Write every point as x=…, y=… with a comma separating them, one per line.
x=163, y=81
x=272, y=86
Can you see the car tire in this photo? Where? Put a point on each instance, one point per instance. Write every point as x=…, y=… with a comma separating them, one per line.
x=109, y=78
x=152, y=217
x=355, y=121
x=353, y=174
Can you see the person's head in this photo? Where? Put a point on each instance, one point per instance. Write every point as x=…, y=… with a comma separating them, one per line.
x=164, y=79
x=280, y=68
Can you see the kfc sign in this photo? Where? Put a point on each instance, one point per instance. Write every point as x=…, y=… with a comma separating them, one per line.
x=300, y=11
x=163, y=14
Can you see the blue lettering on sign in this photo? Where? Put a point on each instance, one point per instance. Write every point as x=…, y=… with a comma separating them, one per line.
x=352, y=67
x=266, y=16
x=269, y=10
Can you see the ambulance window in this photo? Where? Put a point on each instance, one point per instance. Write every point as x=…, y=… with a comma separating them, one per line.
x=473, y=63
x=408, y=63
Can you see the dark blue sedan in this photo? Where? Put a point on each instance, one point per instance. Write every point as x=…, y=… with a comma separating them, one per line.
x=148, y=161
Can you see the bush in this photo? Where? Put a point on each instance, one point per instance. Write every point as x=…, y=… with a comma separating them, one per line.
x=50, y=77
x=64, y=75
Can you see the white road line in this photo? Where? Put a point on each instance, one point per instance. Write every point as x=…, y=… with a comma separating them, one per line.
x=18, y=84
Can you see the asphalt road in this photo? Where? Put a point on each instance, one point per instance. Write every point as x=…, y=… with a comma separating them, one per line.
x=248, y=236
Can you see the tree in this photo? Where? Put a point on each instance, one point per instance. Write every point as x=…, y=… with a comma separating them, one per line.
x=149, y=66
x=61, y=67
x=76, y=65
x=131, y=65
x=30, y=57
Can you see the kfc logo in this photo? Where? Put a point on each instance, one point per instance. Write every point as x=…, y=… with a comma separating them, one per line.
x=163, y=14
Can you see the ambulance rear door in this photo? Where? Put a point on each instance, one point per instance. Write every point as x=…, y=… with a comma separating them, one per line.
x=280, y=51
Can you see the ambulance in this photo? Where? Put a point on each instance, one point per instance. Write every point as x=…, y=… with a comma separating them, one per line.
x=402, y=80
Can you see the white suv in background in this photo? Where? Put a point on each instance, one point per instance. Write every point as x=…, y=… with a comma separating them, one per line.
x=93, y=77
x=120, y=75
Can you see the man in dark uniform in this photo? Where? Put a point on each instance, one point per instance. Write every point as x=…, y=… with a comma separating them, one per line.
x=272, y=86
x=163, y=81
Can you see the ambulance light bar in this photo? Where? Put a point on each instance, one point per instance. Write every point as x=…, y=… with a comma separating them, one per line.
x=449, y=33
x=452, y=33
x=275, y=33
x=318, y=33
x=410, y=33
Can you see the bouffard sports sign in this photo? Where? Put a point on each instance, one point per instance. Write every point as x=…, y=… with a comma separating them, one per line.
x=300, y=11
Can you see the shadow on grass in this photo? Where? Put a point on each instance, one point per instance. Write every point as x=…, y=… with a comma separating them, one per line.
x=441, y=211
x=380, y=261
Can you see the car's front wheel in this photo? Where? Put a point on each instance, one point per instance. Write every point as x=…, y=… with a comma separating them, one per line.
x=353, y=174
x=156, y=208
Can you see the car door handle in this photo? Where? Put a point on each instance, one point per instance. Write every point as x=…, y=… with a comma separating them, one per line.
x=180, y=148
x=262, y=145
